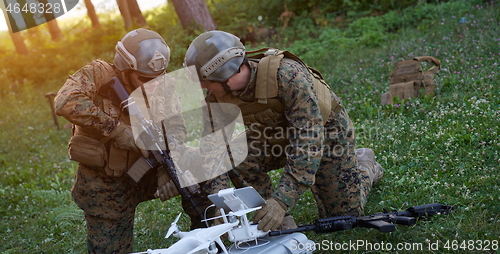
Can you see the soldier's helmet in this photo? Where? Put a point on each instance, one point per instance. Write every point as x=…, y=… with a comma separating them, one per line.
x=144, y=51
x=216, y=55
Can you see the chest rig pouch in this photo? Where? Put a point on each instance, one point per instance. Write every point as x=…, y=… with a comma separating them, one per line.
x=86, y=150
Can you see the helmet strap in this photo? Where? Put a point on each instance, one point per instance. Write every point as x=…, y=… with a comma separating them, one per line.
x=125, y=79
x=226, y=87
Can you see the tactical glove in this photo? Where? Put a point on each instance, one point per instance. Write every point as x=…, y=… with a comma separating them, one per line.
x=270, y=215
x=123, y=136
x=166, y=187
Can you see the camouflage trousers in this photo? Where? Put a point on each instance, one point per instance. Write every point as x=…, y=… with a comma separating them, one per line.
x=109, y=205
x=110, y=236
x=340, y=188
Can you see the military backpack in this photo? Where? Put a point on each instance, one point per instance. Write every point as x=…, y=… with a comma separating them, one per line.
x=409, y=81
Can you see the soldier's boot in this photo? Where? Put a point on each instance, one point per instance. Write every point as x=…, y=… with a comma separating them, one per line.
x=288, y=223
x=367, y=163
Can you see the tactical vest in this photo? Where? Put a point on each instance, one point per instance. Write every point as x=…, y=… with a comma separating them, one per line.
x=266, y=110
x=85, y=145
x=408, y=79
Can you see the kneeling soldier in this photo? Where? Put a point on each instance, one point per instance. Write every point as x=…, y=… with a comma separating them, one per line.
x=294, y=121
x=103, y=142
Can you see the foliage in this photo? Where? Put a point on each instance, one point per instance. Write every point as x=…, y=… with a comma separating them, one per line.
x=434, y=149
x=324, y=11
x=164, y=21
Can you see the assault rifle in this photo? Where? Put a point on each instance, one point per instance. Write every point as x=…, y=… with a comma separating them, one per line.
x=383, y=222
x=155, y=141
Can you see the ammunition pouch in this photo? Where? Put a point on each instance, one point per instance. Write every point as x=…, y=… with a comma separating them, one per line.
x=87, y=150
x=267, y=117
x=117, y=159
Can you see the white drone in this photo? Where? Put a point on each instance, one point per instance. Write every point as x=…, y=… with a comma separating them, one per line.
x=233, y=204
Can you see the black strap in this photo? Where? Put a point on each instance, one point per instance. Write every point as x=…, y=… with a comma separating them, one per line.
x=226, y=87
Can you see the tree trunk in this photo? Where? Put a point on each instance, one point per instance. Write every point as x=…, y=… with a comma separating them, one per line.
x=54, y=30
x=194, y=10
x=127, y=19
x=132, y=15
x=136, y=14
x=92, y=14
x=17, y=39
x=50, y=19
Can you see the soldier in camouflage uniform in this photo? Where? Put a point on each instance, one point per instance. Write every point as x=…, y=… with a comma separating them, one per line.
x=103, y=142
x=294, y=121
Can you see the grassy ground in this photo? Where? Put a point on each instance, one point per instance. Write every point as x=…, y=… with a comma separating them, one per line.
x=435, y=149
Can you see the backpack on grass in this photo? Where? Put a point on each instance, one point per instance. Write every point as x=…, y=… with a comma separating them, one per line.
x=409, y=81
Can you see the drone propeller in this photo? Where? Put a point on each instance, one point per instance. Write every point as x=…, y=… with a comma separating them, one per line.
x=173, y=226
x=245, y=211
x=237, y=213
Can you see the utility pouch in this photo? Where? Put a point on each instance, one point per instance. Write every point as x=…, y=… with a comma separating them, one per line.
x=117, y=159
x=87, y=150
x=404, y=90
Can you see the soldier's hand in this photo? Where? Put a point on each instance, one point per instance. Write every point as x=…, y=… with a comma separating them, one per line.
x=123, y=136
x=166, y=187
x=271, y=215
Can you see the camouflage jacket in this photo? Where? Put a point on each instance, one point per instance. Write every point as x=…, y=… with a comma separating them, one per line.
x=79, y=102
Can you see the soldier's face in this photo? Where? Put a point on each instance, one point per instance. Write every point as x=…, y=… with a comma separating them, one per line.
x=137, y=80
x=214, y=87
x=237, y=82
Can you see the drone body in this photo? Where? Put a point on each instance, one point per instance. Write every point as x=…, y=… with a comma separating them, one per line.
x=245, y=236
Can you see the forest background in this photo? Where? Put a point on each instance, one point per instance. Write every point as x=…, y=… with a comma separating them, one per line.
x=443, y=148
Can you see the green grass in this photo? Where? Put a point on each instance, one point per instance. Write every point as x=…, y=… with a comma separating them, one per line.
x=434, y=149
